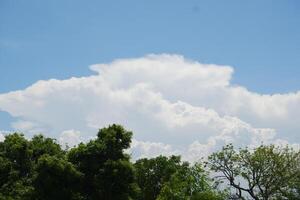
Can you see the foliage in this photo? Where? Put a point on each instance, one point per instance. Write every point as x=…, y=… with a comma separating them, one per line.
x=56, y=178
x=267, y=172
x=15, y=167
x=41, y=146
x=104, y=165
x=39, y=169
x=189, y=182
x=153, y=173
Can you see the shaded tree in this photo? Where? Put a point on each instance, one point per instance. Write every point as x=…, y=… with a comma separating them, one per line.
x=15, y=167
x=16, y=149
x=18, y=157
x=57, y=179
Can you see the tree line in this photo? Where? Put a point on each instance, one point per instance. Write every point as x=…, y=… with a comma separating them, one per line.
x=40, y=169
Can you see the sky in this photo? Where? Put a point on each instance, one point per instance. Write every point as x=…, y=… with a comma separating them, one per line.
x=184, y=75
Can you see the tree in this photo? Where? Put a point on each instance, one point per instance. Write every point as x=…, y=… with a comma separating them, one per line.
x=153, y=173
x=17, y=150
x=209, y=195
x=293, y=193
x=190, y=182
x=41, y=145
x=18, y=158
x=57, y=179
x=15, y=167
x=264, y=173
x=116, y=180
x=38, y=169
x=107, y=171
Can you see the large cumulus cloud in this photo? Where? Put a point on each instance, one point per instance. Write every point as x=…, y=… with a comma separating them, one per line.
x=172, y=104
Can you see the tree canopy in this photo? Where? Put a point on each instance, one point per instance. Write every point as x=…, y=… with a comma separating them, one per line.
x=267, y=172
x=40, y=169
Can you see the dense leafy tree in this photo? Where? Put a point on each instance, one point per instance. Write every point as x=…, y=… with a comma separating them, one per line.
x=15, y=167
x=38, y=169
x=17, y=163
x=57, y=179
x=189, y=182
x=41, y=145
x=107, y=171
x=264, y=173
x=16, y=149
x=17, y=189
x=209, y=195
x=5, y=170
x=116, y=180
x=153, y=173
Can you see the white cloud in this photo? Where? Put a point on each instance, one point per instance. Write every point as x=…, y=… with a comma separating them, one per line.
x=3, y=133
x=69, y=138
x=1, y=137
x=140, y=149
x=30, y=127
x=172, y=104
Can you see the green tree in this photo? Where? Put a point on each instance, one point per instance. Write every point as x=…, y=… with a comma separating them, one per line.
x=190, y=182
x=18, y=158
x=293, y=191
x=153, y=173
x=15, y=167
x=107, y=171
x=41, y=145
x=209, y=195
x=264, y=173
x=17, y=150
x=57, y=179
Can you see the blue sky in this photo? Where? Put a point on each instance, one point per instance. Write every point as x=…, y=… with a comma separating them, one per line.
x=59, y=39
x=40, y=40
